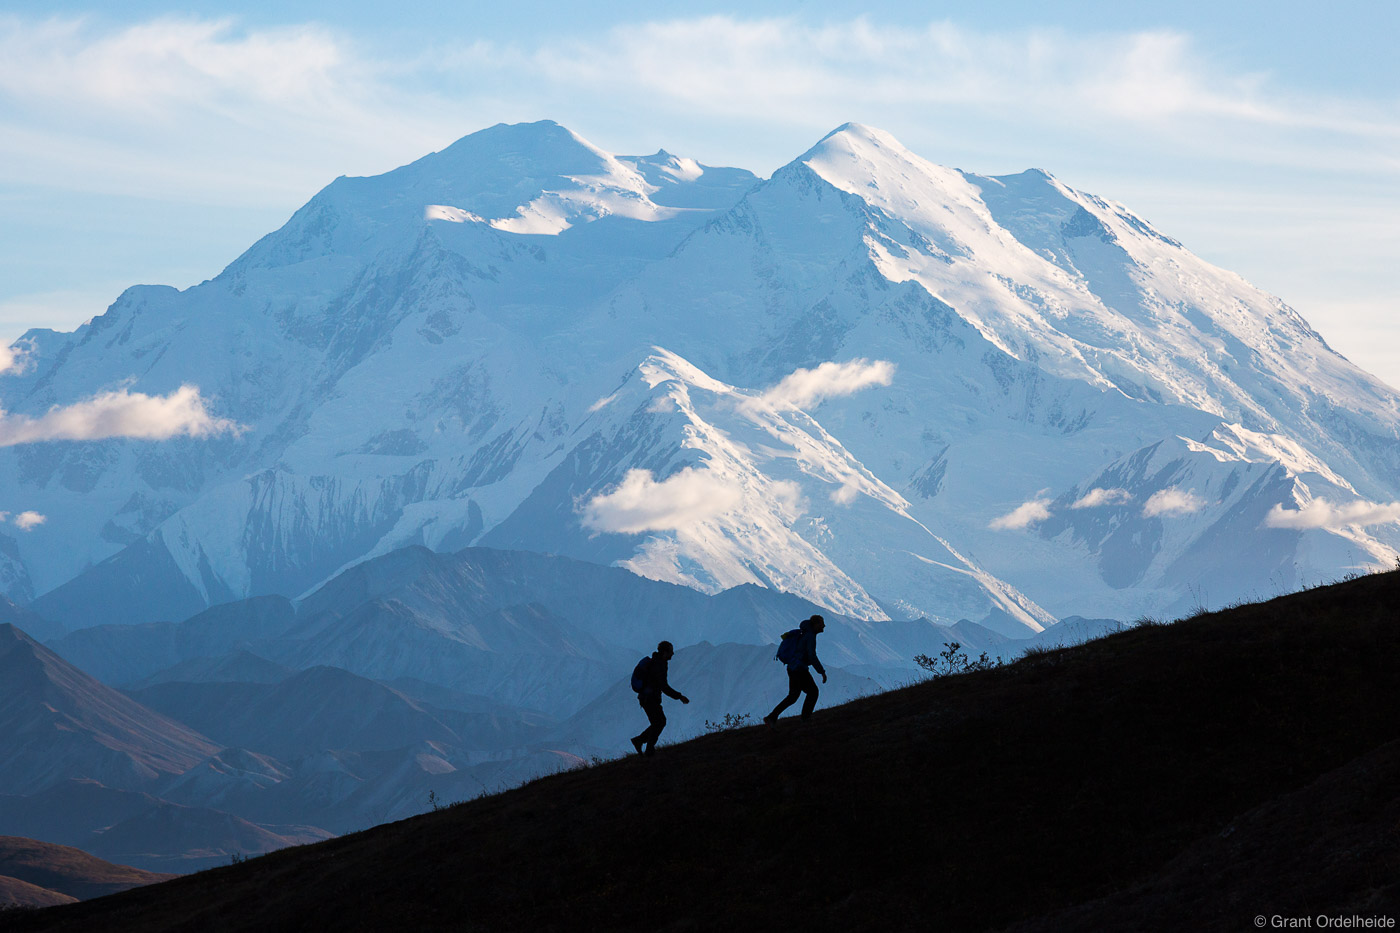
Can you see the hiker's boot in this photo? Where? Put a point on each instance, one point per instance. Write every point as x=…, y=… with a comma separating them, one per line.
x=771, y=718
x=637, y=743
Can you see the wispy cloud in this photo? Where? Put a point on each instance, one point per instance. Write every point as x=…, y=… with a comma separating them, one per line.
x=159, y=91
x=640, y=503
x=15, y=359
x=1095, y=498
x=1023, y=516
x=205, y=104
x=798, y=72
x=807, y=387
x=1173, y=501
x=118, y=414
x=1320, y=513
x=29, y=520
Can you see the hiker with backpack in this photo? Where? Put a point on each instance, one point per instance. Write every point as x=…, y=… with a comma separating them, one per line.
x=798, y=651
x=649, y=681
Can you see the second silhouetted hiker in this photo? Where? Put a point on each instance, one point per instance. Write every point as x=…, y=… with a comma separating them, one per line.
x=649, y=680
x=798, y=650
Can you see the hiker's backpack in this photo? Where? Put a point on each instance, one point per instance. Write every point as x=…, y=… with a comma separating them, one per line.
x=787, y=648
x=639, y=675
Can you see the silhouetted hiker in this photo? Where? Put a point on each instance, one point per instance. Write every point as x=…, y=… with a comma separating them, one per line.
x=798, y=650
x=649, y=680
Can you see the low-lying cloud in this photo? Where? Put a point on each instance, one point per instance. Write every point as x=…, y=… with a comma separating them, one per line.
x=640, y=503
x=807, y=387
x=1095, y=498
x=25, y=521
x=1023, y=516
x=14, y=359
x=1172, y=501
x=1319, y=513
x=118, y=414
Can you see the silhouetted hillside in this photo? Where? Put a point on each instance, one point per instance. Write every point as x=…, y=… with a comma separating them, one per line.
x=1190, y=776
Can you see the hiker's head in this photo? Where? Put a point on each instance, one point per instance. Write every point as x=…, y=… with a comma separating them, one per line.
x=814, y=624
x=665, y=650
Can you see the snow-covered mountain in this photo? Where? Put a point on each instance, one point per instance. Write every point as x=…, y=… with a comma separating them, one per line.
x=891, y=388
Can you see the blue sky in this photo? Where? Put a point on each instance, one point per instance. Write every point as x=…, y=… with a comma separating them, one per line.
x=155, y=144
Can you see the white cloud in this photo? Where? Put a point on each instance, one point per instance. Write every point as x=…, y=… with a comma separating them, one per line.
x=602, y=403
x=793, y=71
x=1023, y=516
x=149, y=67
x=208, y=100
x=28, y=521
x=1099, y=497
x=806, y=387
x=15, y=359
x=202, y=108
x=1319, y=513
x=118, y=414
x=640, y=503
x=847, y=492
x=1172, y=501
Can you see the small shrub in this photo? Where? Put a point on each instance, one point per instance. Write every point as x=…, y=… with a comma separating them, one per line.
x=729, y=722
x=237, y=858
x=953, y=660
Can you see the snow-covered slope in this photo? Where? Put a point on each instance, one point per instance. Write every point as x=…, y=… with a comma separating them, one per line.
x=887, y=386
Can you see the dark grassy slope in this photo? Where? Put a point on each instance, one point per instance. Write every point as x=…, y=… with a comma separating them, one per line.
x=970, y=803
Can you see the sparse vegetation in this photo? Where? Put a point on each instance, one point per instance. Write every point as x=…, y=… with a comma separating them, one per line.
x=953, y=660
x=729, y=722
x=1037, y=652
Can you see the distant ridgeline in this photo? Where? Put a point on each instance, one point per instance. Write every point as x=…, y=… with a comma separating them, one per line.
x=264, y=723
x=1198, y=775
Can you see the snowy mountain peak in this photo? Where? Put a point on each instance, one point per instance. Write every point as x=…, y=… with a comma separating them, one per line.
x=880, y=377
x=532, y=178
x=873, y=164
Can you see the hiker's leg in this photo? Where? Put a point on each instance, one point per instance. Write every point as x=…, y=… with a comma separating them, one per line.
x=809, y=688
x=657, y=719
x=640, y=738
x=794, y=691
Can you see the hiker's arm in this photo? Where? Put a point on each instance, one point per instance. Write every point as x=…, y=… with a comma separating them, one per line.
x=674, y=694
x=816, y=662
